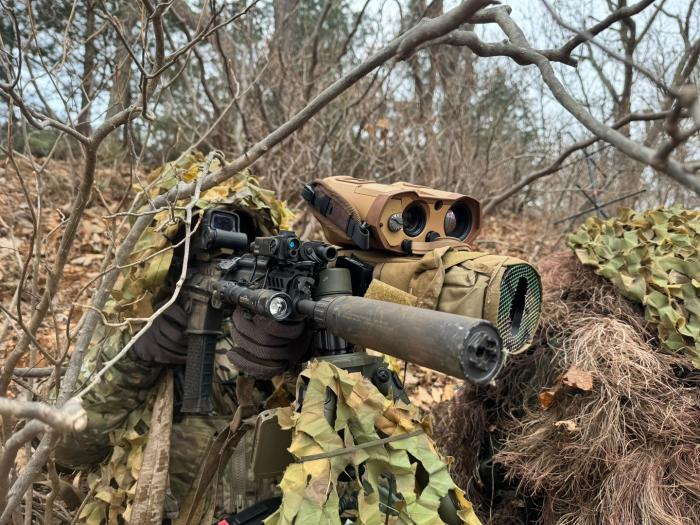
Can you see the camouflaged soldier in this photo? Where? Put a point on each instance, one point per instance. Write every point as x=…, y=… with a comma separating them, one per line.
x=130, y=411
x=156, y=463
x=129, y=389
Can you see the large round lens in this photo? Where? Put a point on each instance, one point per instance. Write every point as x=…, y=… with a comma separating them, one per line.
x=458, y=221
x=413, y=219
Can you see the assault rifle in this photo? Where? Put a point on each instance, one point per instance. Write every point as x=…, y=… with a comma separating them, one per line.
x=287, y=279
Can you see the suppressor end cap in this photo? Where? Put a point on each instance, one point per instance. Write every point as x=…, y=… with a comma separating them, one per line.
x=482, y=356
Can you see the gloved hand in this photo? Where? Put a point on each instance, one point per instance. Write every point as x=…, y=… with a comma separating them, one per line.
x=165, y=342
x=265, y=348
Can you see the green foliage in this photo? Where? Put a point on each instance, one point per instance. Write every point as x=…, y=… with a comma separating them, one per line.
x=653, y=257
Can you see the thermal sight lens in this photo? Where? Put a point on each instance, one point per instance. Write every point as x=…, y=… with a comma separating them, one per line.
x=414, y=219
x=458, y=221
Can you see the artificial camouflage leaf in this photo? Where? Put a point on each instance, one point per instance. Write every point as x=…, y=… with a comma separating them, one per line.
x=150, y=260
x=361, y=416
x=653, y=257
x=115, y=487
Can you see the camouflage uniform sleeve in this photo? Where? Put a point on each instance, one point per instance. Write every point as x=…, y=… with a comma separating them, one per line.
x=125, y=387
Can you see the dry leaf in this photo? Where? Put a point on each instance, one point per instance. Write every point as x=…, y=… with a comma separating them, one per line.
x=577, y=378
x=86, y=259
x=424, y=397
x=547, y=397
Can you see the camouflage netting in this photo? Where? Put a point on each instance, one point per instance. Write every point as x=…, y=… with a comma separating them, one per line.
x=313, y=489
x=150, y=260
x=653, y=258
x=599, y=422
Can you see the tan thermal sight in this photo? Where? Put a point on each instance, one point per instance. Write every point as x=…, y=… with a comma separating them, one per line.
x=399, y=217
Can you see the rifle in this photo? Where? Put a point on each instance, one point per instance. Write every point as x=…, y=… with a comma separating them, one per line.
x=287, y=279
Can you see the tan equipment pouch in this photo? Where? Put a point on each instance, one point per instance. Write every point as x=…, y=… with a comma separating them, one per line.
x=503, y=290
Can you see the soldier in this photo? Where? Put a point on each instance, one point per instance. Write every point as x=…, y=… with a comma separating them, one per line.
x=160, y=461
x=120, y=407
x=163, y=347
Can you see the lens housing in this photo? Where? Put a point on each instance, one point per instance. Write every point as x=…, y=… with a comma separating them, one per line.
x=414, y=218
x=458, y=221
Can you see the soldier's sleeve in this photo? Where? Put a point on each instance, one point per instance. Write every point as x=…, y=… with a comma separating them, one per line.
x=124, y=387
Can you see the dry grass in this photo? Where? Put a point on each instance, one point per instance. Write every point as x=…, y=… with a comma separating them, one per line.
x=629, y=450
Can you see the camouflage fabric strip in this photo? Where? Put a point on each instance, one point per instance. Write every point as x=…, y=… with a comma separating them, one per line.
x=153, y=479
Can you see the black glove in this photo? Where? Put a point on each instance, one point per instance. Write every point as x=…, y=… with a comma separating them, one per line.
x=265, y=348
x=165, y=342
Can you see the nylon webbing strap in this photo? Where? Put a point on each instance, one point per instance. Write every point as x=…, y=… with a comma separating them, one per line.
x=423, y=247
x=325, y=204
x=361, y=446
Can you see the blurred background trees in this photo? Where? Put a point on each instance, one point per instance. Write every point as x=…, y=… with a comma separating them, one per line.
x=442, y=117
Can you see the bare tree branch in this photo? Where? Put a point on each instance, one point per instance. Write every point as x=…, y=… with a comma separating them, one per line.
x=70, y=418
x=559, y=161
x=519, y=46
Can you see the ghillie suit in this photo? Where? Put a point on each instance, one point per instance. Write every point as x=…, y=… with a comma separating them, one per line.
x=130, y=412
x=599, y=422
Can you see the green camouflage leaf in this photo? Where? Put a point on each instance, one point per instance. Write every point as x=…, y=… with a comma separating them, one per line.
x=653, y=257
x=310, y=489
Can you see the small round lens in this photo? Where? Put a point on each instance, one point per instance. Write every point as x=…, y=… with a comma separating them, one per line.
x=458, y=221
x=395, y=223
x=413, y=219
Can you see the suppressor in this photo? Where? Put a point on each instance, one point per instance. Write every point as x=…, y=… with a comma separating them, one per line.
x=455, y=345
